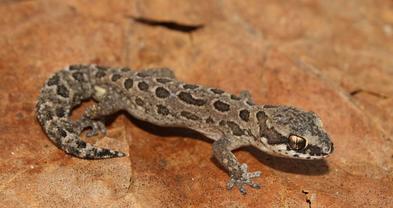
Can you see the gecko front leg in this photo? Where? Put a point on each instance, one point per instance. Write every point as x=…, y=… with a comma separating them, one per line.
x=222, y=151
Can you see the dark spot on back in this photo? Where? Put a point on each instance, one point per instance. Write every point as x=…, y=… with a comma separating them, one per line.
x=60, y=112
x=61, y=132
x=139, y=101
x=78, y=76
x=209, y=120
x=162, y=92
x=190, y=86
x=222, y=123
x=221, y=106
x=244, y=115
x=143, y=86
x=115, y=77
x=295, y=155
x=103, y=68
x=128, y=83
x=261, y=117
x=189, y=99
x=189, y=115
x=80, y=144
x=125, y=69
x=235, y=128
x=54, y=80
x=162, y=110
x=217, y=91
x=100, y=73
x=75, y=67
x=163, y=80
x=63, y=91
x=142, y=74
x=234, y=97
x=250, y=103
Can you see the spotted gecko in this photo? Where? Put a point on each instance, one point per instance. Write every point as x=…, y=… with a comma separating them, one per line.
x=156, y=96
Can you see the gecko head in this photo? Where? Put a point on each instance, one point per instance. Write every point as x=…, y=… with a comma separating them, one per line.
x=291, y=132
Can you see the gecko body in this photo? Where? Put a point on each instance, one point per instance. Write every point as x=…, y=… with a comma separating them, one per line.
x=156, y=96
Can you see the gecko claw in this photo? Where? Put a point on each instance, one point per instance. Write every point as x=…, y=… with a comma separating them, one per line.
x=244, y=179
x=255, y=186
x=242, y=190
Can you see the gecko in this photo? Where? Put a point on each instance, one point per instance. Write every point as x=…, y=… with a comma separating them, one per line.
x=156, y=96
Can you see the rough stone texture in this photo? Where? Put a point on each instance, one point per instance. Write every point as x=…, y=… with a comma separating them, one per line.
x=331, y=57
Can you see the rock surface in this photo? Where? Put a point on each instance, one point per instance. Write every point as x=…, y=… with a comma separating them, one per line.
x=331, y=57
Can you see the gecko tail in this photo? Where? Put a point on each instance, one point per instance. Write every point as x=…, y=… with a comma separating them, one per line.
x=67, y=139
x=73, y=145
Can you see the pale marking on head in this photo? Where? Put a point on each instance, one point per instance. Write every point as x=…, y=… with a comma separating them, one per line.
x=281, y=150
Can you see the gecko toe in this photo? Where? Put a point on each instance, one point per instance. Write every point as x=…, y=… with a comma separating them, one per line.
x=255, y=186
x=231, y=184
x=242, y=190
x=255, y=174
x=245, y=178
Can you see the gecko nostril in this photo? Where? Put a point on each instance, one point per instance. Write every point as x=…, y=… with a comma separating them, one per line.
x=328, y=149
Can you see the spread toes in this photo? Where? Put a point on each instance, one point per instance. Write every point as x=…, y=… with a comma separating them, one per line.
x=244, y=179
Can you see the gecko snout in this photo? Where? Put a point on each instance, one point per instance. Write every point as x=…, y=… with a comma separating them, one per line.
x=328, y=148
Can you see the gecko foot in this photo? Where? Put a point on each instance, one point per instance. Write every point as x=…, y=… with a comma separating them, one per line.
x=94, y=125
x=244, y=178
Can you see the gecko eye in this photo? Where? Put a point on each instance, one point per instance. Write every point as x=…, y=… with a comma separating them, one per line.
x=297, y=143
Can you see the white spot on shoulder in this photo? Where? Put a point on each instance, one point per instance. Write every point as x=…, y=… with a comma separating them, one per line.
x=99, y=91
